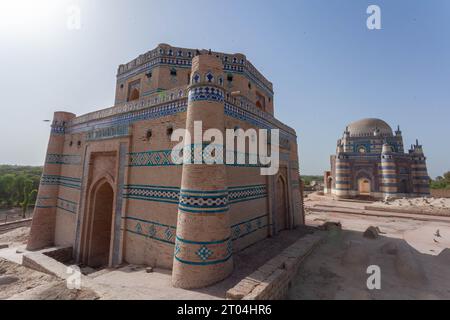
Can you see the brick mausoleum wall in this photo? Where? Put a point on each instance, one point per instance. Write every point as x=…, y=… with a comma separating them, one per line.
x=152, y=193
x=440, y=193
x=272, y=280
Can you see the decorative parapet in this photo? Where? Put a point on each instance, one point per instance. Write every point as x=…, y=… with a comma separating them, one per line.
x=150, y=101
x=182, y=57
x=235, y=106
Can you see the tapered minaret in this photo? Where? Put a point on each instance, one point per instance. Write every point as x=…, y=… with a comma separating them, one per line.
x=44, y=218
x=388, y=170
x=421, y=180
x=343, y=173
x=203, y=249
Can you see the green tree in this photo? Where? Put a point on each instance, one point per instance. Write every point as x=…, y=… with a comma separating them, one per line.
x=28, y=194
x=447, y=176
x=12, y=184
x=7, y=183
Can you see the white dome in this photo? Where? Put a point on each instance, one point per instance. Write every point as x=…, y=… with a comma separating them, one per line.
x=367, y=127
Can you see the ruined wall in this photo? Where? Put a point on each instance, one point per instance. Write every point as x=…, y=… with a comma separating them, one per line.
x=440, y=193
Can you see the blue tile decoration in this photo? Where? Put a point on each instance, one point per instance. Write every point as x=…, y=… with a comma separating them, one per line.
x=62, y=181
x=138, y=228
x=57, y=202
x=206, y=93
x=151, y=159
x=58, y=129
x=168, y=234
x=246, y=193
x=196, y=78
x=164, y=233
x=247, y=227
x=260, y=121
x=153, y=230
x=203, y=253
x=110, y=132
x=365, y=144
x=236, y=231
x=152, y=109
x=67, y=205
x=152, y=193
x=64, y=159
x=230, y=247
x=198, y=201
x=161, y=158
x=209, y=77
x=45, y=202
x=177, y=248
x=157, y=110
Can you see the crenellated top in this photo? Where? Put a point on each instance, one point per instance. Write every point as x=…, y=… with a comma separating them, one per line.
x=182, y=57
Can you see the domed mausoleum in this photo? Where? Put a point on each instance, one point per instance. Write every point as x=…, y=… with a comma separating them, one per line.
x=370, y=161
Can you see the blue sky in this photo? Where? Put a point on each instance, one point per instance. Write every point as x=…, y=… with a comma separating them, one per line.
x=327, y=68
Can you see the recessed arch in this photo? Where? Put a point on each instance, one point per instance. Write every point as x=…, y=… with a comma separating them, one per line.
x=97, y=224
x=281, y=210
x=364, y=187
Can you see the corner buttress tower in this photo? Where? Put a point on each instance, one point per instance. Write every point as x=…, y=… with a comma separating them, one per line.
x=421, y=180
x=388, y=170
x=203, y=248
x=44, y=218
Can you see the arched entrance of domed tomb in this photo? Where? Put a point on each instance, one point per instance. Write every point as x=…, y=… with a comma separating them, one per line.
x=364, y=188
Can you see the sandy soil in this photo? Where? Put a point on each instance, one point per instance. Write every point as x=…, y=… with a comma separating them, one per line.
x=15, y=237
x=15, y=279
x=133, y=282
x=437, y=203
x=21, y=283
x=431, y=205
x=8, y=215
x=413, y=257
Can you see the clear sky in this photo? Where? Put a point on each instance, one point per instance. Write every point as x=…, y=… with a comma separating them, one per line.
x=327, y=68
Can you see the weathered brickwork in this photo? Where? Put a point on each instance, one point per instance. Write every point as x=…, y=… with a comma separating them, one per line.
x=113, y=192
x=272, y=280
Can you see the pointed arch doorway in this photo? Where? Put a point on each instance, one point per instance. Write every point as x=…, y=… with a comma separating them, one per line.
x=281, y=211
x=364, y=187
x=96, y=239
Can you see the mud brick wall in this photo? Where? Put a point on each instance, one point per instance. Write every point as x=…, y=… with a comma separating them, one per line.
x=272, y=280
x=440, y=193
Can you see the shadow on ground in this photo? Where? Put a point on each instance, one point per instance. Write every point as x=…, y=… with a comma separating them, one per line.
x=338, y=270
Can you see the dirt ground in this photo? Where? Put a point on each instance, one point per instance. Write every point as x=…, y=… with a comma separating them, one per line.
x=15, y=237
x=412, y=254
x=133, y=282
x=13, y=214
x=18, y=282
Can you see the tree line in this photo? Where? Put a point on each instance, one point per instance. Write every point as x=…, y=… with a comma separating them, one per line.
x=441, y=182
x=18, y=186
